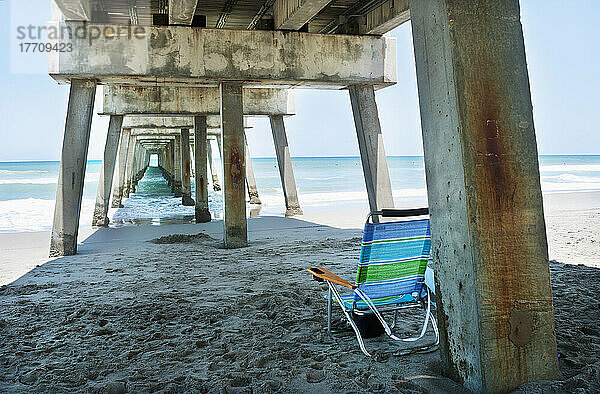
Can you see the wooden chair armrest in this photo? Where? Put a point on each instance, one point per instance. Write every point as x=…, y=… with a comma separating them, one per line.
x=322, y=274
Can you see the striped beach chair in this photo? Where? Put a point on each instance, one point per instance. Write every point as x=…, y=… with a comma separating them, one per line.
x=392, y=274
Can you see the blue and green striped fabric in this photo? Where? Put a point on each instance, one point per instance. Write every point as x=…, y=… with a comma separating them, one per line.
x=392, y=262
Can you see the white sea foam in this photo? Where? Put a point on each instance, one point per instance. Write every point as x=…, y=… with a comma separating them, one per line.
x=18, y=172
x=335, y=197
x=570, y=178
x=89, y=178
x=571, y=167
x=32, y=181
x=548, y=187
x=33, y=214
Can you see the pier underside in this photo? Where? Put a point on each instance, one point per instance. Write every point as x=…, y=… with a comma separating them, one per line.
x=232, y=59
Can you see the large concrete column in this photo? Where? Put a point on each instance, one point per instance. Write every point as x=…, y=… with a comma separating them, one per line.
x=200, y=164
x=108, y=169
x=127, y=189
x=370, y=144
x=234, y=167
x=213, y=167
x=193, y=158
x=186, y=171
x=286, y=170
x=250, y=179
x=488, y=233
x=171, y=158
x=178, y=167
x=121, y=172
x=63, y=241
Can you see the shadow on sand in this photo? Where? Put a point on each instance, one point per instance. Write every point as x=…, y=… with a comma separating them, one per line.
x=127, y=314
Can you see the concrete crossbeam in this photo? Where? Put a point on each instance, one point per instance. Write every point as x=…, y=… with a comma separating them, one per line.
x=175, y=122
x=75, y=10
x=160, y=133
x=293, y=14
x=197, y=57
x=489, y=245
x=161, y=100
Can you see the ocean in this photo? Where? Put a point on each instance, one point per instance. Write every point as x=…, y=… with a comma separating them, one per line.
x=27, y=189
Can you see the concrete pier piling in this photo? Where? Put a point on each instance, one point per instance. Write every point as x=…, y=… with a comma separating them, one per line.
x=488, y=233
x=69, y=192
x=213, y=167
x=186, y=171
x=370, y=144
x=250, y=179
x=286, y=170
x=105, y=182
x=178, y=167
x=119, y=185
x=128, y=188
x=201, y=169
x=234, y=166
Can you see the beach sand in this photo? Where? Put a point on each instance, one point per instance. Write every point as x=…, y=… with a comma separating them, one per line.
x=183, y=314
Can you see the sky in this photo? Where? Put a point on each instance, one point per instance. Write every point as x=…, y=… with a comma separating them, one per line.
x=563, y=55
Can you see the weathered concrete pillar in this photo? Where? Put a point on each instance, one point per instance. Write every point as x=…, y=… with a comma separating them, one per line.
x=106, y=173
x=200, y=164
x=171, y=158
x=186, y=182
x=370, y=144
x=213, y=167
x=488, y=233
x=286, y=170
x=178, y=167
x=250, y=179
x=69, y=192
x=193, y=158
x=119, y=185
x=127, y=189
x=234, y=168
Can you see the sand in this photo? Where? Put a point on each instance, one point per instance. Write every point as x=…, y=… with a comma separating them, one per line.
x=183, y=314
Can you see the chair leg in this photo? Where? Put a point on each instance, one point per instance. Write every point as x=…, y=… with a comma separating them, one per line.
x=329, y=310
x=428, y=315
x=393, y=325
x=338, y=298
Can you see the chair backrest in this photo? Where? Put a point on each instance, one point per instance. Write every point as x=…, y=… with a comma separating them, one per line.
x=393, y=258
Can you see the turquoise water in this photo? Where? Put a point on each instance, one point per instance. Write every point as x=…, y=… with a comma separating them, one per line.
x=27, y=189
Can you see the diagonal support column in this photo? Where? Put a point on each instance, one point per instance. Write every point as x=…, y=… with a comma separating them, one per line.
x=286, y=170
x=200, y=163
x=119, y=185
x=487, y=221
x=250, y=179
x=370, y=144
x=186, y=170
x=234, y=166
x=213, y=167
x=63, y=241
x=111, y=146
